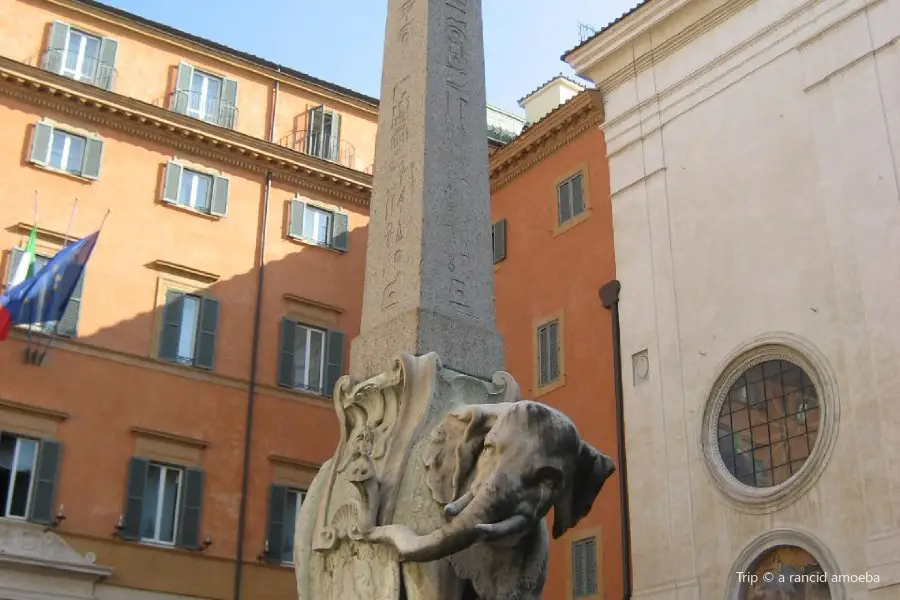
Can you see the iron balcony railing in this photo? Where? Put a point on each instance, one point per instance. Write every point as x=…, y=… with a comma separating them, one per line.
x=211, y=109
x=327, y=147
x=79, y=66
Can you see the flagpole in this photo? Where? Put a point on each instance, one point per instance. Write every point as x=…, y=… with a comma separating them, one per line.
x=31, y=308
x=52, y=335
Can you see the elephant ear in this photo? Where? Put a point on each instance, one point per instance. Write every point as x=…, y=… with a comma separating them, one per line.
x=592, y=468
x=452, y=451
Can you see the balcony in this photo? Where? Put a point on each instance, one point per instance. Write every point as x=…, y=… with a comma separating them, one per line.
x=211, y=109
x=78, y=66
x=326, y=147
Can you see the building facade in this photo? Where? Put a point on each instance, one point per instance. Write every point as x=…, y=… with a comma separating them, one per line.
x=553, y=250
x=753, y=154
x=160, y=447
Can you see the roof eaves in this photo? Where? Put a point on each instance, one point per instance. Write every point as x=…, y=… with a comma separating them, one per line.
x=230, y=51
x=600, y=31
x=548, y=82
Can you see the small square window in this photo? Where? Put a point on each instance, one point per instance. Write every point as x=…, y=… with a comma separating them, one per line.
x=548, y=353
x=162, y=500
x=205, y=96
x=81, y=56
x=309, y=359
x=66, y=152
x=196, y=190
x=18, y=458
x=570, y=198
x=317, y=225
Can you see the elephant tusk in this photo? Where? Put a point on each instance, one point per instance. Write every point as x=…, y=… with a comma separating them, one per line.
x=457, y=506
x=510, y=526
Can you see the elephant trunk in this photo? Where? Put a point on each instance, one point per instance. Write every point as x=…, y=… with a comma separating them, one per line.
x=458, y=534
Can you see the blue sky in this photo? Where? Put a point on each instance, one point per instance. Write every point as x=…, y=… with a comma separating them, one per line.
x=341, y=40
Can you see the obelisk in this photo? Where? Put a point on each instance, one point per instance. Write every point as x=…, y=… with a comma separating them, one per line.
x=429, y=270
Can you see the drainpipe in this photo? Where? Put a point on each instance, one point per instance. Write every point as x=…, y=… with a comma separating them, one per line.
x=609, y=296
x=254, y=358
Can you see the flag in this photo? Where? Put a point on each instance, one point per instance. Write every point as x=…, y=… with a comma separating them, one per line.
x=42, y=298
x=24, y=267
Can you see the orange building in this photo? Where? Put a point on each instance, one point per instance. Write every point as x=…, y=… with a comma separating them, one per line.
x=553, y=250
x=161, y=446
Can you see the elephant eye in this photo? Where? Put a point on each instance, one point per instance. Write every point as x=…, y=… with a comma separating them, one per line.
x=488, y=449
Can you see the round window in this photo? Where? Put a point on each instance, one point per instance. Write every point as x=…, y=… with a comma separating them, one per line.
x=786, y=573
x=768, y=423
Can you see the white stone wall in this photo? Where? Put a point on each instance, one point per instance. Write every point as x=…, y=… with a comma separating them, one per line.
x=754, y=173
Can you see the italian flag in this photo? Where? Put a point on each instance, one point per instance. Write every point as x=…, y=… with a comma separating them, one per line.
x=23, y=269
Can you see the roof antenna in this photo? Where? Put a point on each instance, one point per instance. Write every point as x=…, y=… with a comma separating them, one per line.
x=585, y=31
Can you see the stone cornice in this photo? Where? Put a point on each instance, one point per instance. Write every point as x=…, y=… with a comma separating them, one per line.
x=36, y=86
x=546, y=136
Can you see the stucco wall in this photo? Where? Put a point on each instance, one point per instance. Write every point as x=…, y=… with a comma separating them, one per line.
x=754, y=172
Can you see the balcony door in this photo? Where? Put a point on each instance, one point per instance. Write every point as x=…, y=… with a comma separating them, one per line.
x=323, y=133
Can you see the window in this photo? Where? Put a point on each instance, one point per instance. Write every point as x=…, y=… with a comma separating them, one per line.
x=162, y=494
x=205, y=96
x=68, y=325
x=498, y=240
x=584, y=568
x=312, y=359
x=64, y=151
x=284, y=506
x=200, y=192
x=163, y=503
x=323, y=135
x=548, y=353
x=189, y=329
x=785, y=562
x=768, y=424
x=28, y=474
x=570, y=198
x=81, y=55
x=318, y=226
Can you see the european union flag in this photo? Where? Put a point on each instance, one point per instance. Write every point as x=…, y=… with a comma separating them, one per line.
x=42, y=298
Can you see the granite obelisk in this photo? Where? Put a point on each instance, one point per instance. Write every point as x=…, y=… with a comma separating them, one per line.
x=429, y=273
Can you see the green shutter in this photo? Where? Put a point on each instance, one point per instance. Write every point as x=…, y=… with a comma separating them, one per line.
x=499, y=240
x=172, y=183
x=219, y=203
x=171, y=326
x=577, y=194
x=334, y=140
x=181, y=96
x=286, y=356
x=295, y=220
x=590, y=566
x=15, y=255
x=191, y=513
x=228, y=103
x=543, y=355
x=553, y=350
x=45, y=482
x=134, y=498
x=334, y=367
x=68, y=324
x=315, y=122
x=93, y=155
x=54, y=58
x=208, y=325
x=275, y=526
x=40, y=143
x=106, y=70
x=340, y=233
x=564, y=201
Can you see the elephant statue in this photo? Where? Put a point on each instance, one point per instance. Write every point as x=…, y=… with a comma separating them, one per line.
x=469, y=522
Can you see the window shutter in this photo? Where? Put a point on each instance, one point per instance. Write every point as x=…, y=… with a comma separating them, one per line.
x=578, y=570
x=553, y=350
x=191, y=509
x=171, y=326
x=334, y=367
x=93, y=155
x=340, y=234
x=334, y=139
x=106, y=70
x=40, y=143
x=68, y=324
x=134, y=498
x=218, y=205
x=275, y=527
x=563, y=200
x=577, y=195
x=15, y=255
x=286, y=357
x=59, y=35
x=228, y=103
x=295, y=219
x=590, y=566
x=206, y=336
x=181, y=96
x=172, y=183
x=499, y=239
x=543, y=350
x=46, y=475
